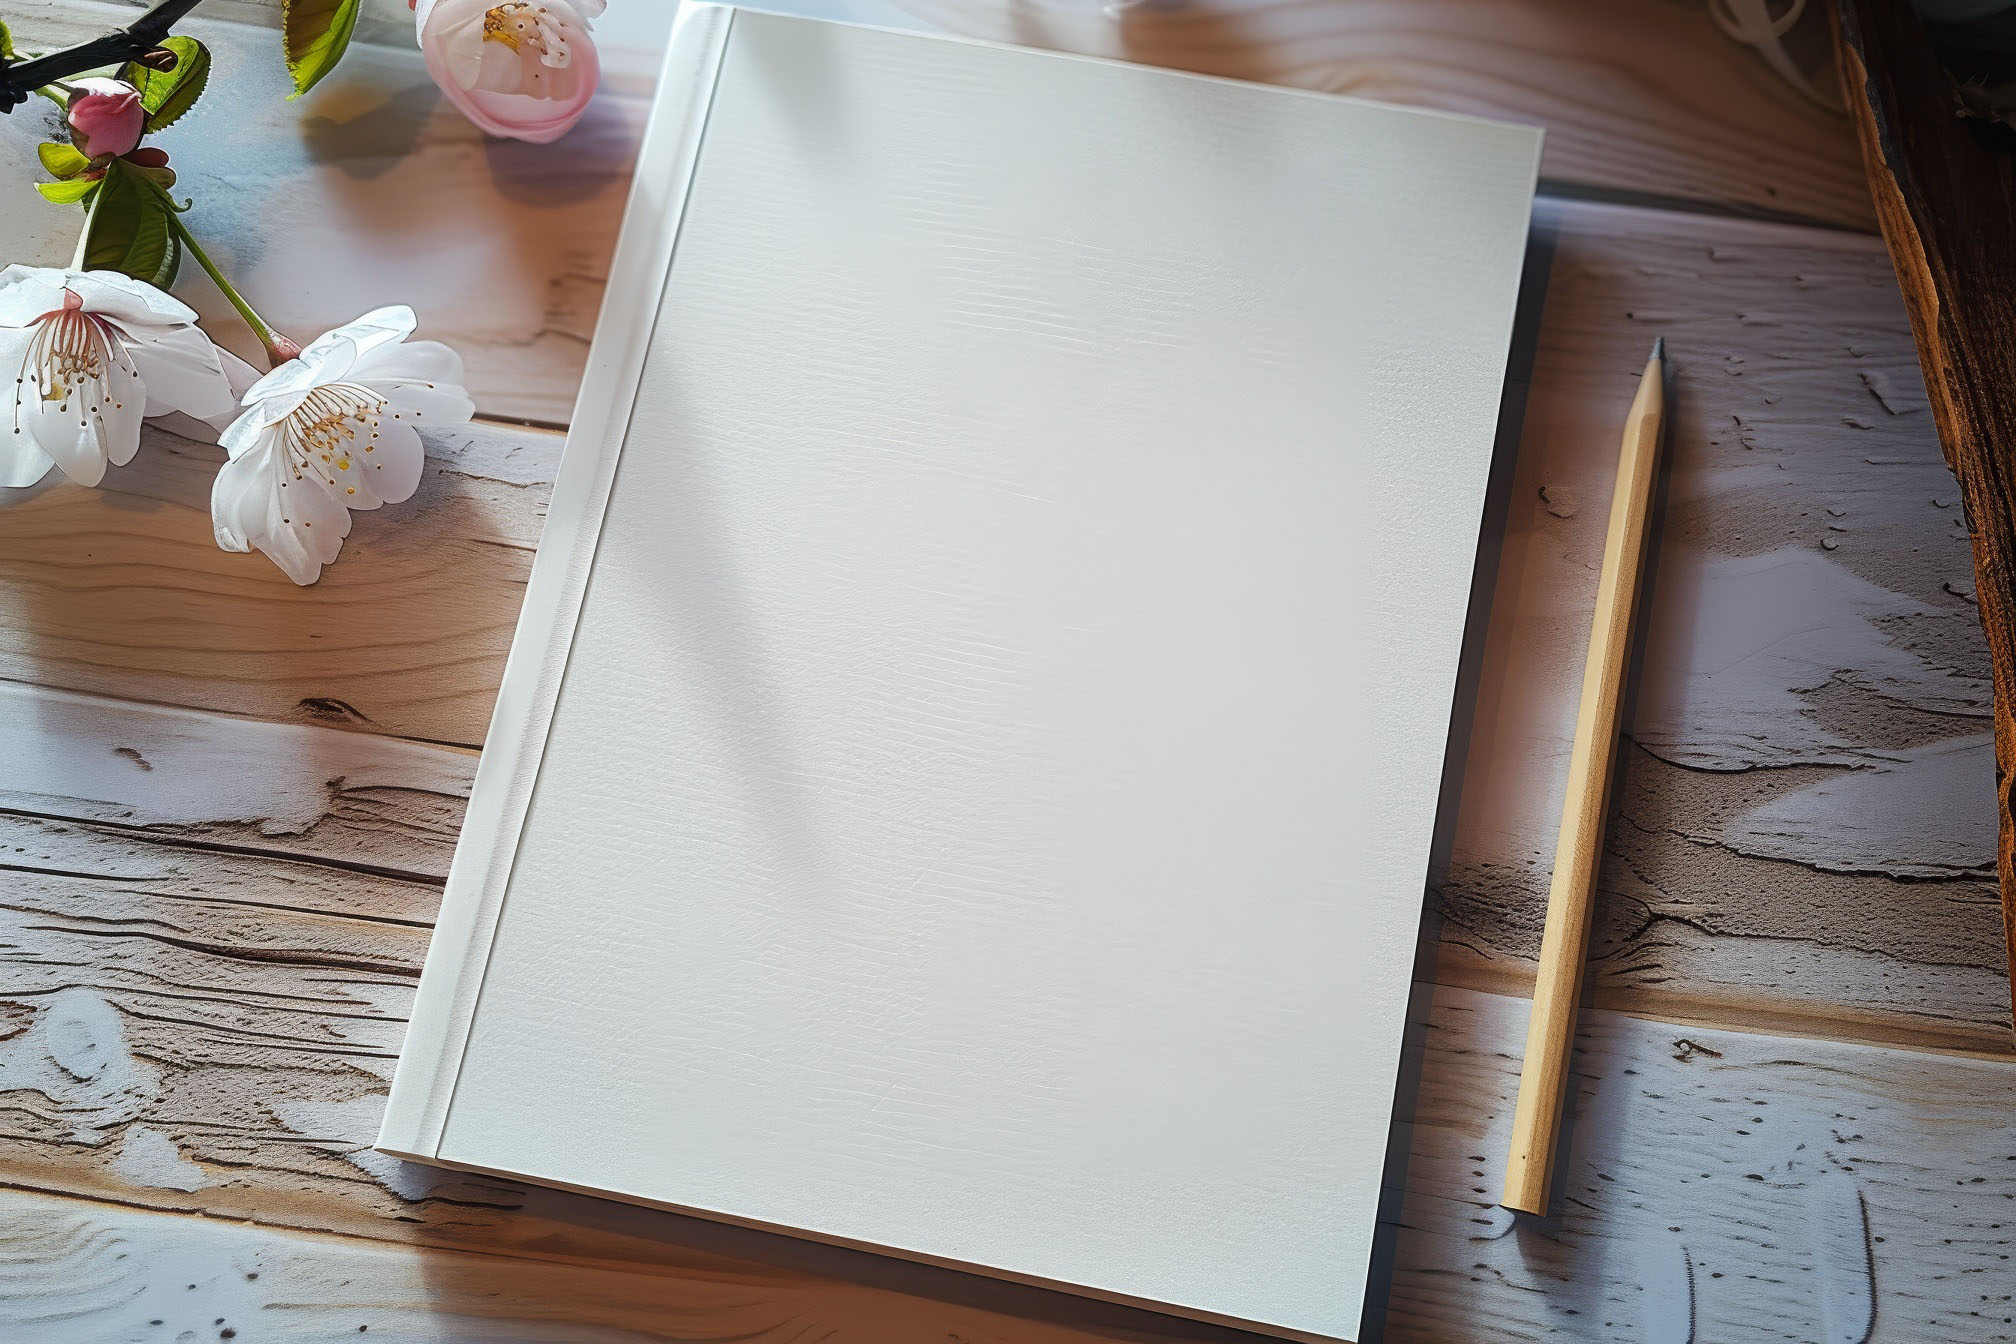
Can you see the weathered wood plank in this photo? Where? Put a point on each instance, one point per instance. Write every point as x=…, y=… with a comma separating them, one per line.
x=180, y=777
x=504, y=248
x=123, y=591
x=78, y=1273
x=1637, y=97
x=1807, y=801
x=236, y=949
x=1810, y=712
x=1716, y=1185
x=1945, y=188
x=1793, y=341
x=206, y=952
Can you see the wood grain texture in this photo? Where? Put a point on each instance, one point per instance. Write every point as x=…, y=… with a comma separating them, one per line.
x=1945, y=190
x=1578, y=851
x=1639, y=97
x=219, y=925
x=1843, y=766
x=73, y=1272
x=1715, y=1185
x=406, y=634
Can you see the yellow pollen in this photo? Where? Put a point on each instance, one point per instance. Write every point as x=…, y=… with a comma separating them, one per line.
x=71, y=357
x=320, y=428
x=495, y=31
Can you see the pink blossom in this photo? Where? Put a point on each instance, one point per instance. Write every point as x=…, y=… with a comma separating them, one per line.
x=105, y=116
x=524, y=68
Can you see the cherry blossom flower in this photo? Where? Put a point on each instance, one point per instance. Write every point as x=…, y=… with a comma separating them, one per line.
x=332, y=431
x=92, y=352
x=524, y=69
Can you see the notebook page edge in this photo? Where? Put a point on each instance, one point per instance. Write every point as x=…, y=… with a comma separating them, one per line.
x=472, y=901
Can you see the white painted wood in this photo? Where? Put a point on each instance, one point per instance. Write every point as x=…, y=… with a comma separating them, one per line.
x=1716, y=1185
x=1810, y=625
x=260, y=787
x=260, y=956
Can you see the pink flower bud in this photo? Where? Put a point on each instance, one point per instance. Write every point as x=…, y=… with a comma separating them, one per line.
x=105, y=117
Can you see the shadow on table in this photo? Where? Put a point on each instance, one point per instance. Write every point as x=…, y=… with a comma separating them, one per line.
x=1463, y=715
x=795, y=1289
x=1575, y=1265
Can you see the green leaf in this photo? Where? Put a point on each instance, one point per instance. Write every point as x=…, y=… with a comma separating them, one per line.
x=131, y=229
x=6, y=44
x=64, y=193
x=60, y=159
x=314, y=34
x=167, y=94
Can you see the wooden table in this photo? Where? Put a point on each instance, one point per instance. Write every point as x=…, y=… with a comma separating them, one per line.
x=227, y=804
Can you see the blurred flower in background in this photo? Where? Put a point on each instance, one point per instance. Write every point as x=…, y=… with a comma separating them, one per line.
x=523, y=69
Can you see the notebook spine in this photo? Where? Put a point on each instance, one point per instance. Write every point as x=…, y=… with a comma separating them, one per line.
x=444, y=1010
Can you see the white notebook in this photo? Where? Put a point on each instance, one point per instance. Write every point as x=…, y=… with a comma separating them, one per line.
x=964, y=779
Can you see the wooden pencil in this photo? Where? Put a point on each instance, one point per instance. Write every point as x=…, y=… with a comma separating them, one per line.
x=1578, y=853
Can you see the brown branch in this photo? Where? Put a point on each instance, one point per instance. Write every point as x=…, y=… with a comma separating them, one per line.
x=19, y=78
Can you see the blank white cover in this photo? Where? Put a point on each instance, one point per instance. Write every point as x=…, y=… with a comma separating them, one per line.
x=986, y=809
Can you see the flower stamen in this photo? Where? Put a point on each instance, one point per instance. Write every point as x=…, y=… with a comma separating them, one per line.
x=519, y=24
x=540, y=39
x=496, y=30
x=71, y=357
x=319, y=433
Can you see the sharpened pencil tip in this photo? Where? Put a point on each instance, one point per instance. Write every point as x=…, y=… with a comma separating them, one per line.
x=1659, y=348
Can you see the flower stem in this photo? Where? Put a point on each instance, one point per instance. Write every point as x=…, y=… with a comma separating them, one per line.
x=84, y=238
x=278, y=348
